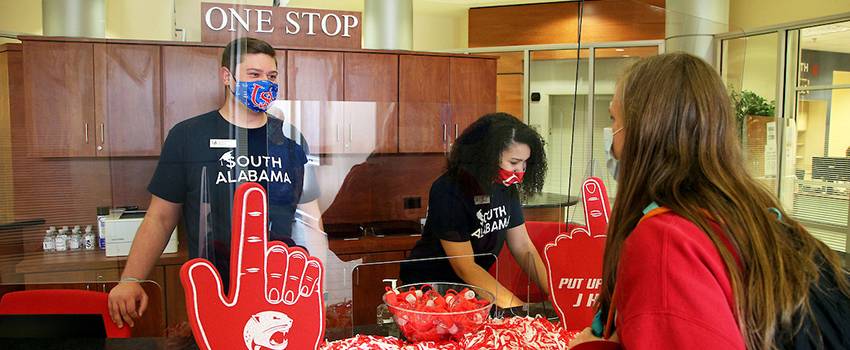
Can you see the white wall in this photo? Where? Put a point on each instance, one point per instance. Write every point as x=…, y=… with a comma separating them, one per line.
x=437, y=25
x=839, y=121
x=749, y=14
x=20, y=17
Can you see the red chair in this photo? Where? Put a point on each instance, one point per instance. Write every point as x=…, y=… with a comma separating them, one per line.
x=64, y=302
x=510, y=275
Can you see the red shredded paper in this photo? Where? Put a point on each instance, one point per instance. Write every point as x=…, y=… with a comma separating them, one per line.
x=509, y=333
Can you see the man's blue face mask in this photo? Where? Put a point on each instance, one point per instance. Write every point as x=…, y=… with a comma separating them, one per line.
x=256, y=95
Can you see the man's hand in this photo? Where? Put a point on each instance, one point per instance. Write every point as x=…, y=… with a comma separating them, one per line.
x=123, y=301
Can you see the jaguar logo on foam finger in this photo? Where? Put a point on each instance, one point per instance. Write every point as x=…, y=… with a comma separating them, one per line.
x=574, y=260
x=275, y=299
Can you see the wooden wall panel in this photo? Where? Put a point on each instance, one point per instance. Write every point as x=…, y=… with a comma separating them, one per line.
x=130, y=179
x=509, y=94
x=557, y=23
x=10, y=66
x=508, y=62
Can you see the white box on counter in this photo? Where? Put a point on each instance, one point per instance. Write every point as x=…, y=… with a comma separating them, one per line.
x=120, y=232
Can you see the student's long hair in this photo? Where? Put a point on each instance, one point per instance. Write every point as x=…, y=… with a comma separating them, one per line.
x=475, y=155
x=681, y=151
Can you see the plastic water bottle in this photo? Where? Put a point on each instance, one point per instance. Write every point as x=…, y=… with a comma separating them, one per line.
x=49, y=244
x=89, y=240
x=61, y=241
x=75, y=239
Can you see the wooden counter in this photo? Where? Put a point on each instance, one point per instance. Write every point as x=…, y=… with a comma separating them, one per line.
x=92, y=269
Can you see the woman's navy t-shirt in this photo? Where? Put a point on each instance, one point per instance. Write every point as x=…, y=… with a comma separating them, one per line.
x=205, y=158
x=457, y=214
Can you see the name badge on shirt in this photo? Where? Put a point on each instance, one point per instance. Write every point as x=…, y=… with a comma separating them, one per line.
x=482, y=200
x=222, y=143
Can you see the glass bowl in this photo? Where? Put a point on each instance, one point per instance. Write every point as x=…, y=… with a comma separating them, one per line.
x=423, y=325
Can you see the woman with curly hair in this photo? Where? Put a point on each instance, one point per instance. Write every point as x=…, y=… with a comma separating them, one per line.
x=474, y=208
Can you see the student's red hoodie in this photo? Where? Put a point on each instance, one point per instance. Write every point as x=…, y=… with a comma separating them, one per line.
x=673, y=290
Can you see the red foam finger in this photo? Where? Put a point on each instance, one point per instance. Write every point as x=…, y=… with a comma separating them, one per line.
x=596, y=206
x=277, y=259
x=197, y=276
x=250, y=217
x=312, y=276
x=294, y=276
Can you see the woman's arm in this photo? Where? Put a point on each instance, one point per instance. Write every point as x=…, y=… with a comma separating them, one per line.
x=527, y=257
x=463, y=264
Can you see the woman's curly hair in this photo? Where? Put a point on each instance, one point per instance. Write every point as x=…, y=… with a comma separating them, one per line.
x=478, y=150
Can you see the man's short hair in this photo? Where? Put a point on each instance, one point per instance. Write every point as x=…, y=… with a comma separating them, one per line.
x=236, y=50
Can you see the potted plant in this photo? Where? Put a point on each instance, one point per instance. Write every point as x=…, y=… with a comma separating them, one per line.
x=750, y=104
x=753, y=113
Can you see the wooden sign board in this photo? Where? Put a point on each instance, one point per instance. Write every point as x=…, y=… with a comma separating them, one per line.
x=281, y=26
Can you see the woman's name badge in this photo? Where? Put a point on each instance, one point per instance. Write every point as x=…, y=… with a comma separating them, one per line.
x=482, y=200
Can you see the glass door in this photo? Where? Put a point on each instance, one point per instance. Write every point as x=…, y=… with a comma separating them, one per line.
x=820, y=145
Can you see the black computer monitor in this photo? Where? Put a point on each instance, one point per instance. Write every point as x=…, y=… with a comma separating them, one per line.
x=831, y=168
x=52, y=326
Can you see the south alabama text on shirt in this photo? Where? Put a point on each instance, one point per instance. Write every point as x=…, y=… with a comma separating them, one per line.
x=270, y=172
x=495, y=219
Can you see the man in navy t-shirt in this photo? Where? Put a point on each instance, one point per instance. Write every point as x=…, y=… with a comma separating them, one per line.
x=202, y=162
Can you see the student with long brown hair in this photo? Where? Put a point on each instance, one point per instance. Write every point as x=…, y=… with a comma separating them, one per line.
x=699, y=255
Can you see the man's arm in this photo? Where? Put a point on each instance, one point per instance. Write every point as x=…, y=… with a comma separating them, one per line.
x=150, y=240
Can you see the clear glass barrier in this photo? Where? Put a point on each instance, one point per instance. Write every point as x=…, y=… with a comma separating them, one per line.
x=357, y=191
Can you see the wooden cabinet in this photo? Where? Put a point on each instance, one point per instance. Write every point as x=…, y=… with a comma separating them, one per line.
x=127, y=100
x=317, y=76
x=85, y=99
x=473, y=92
x=175, y=298
x=381, y=256
x=434, y=110
x=59, y=94
x=191, y=84
x=423, y=103
x=372, y=127
x=99, y=275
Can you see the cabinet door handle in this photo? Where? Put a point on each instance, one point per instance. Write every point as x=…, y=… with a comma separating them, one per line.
x=102, y=133
x=444, y=132
x=455, y=131
x=338, y=132
x=350, y=138
x=87, y=132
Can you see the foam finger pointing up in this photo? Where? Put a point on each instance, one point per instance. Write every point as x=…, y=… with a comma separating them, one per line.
x=596, y=208
x=249, y=230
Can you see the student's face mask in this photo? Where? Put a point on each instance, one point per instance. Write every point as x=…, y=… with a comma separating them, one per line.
x=507, y=177
x=612, y=163
x=256, y=95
